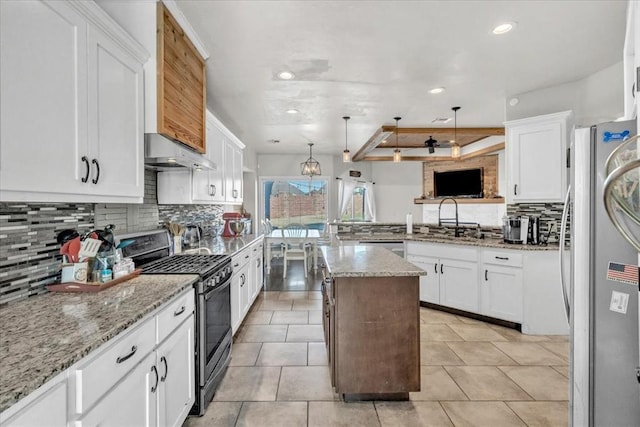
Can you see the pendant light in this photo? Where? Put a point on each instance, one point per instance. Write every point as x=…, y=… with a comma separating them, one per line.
x=397, y=155
x=346, y=154
x=455, y=148
x=311, y=167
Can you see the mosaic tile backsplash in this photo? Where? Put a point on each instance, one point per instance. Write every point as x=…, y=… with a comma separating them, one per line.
x=29, y=252
x=208, y=217
x=550, y=215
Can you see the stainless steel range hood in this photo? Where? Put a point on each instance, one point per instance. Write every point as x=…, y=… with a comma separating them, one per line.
x=161, y=153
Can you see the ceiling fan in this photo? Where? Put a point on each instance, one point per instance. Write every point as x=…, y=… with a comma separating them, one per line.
x=432, y=143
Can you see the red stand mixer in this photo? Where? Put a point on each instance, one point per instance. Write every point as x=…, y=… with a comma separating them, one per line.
x=230, y=217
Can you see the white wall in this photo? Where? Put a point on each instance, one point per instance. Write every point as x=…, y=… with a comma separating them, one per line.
x=397, y=184
x=594, y=99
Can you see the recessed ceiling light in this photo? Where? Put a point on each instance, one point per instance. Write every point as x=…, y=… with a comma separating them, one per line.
x=384, y=141
x=504, y=28
x=292, y=111
x=437, y=90
x=171, y=160
x=441, y=120
x=286, y=75
x=514, y=101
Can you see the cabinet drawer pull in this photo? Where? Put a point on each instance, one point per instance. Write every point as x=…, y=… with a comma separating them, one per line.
x=485, y=275
x=88, y=168
x=155, y=386
x=504, y=258
x=236, y=264
x=166, y=368
x=95, y=162
x=179, y=311
x=246, y=256
x=121, y=359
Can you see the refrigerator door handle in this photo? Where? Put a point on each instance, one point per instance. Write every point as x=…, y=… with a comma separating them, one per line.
x=563, y=233
x=609, y=197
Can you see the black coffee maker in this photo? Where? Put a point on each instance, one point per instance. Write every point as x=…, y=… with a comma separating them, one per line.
x=533, y=235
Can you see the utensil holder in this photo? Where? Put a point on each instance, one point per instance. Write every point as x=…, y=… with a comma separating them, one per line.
x=177, y=244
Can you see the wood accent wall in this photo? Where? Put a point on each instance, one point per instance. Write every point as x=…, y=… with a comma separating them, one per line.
x=489, y=163
x=181, y=84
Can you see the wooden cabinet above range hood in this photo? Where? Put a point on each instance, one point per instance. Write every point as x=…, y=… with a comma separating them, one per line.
x=181, y=84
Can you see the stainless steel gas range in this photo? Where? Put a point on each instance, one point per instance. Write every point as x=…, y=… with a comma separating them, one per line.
x=212, y=350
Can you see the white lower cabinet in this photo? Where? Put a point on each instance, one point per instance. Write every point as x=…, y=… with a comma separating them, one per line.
x=452, y=274
x=501, y=285
x=176, y=364
x=429, y=284
x=459, y=284
x=131, y=402
x=145, y=378
x=516, y=285
x=246, y=281
x=239, y=288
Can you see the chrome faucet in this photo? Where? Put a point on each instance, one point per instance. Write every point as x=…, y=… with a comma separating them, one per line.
x=440, y=219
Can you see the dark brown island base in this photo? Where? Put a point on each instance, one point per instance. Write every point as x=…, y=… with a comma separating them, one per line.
x=371, y=322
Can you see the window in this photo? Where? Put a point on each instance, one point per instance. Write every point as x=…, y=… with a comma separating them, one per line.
x=355, y=207
x=287, y=200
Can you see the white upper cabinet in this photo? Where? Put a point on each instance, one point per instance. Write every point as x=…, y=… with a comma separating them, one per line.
x=536, y=158
x=71, y=106
x=222, y=185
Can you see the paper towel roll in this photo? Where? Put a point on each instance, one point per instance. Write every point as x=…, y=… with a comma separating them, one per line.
x=409, y=223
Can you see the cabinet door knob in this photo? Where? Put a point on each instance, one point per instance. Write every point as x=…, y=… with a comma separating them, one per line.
x=88, y=168
x=95, y=162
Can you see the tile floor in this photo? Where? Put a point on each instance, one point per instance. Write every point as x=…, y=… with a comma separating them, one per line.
x=473, y=373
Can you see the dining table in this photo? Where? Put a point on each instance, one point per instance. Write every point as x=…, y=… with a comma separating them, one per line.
x=279, y=235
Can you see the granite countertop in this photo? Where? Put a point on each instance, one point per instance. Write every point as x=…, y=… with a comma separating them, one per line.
x=44, y=335
x=433, y=238
x=228, y=245
x=366, y=261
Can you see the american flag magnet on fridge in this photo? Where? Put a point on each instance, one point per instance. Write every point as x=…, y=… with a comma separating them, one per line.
x=623, y=273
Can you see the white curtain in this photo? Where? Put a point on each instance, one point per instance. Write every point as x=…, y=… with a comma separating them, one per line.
x=345, y=191
x=369, y=202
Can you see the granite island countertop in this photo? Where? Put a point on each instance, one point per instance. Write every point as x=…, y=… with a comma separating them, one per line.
x=46, y=334
x=366, y=261
x=433, y=238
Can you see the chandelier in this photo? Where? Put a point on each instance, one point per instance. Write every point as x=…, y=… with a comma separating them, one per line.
x=311, y=167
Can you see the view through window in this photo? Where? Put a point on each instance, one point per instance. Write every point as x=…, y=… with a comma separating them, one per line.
x=295, y=200
x=355, y=208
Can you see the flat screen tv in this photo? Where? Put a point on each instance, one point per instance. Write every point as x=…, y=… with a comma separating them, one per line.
x=459, y=183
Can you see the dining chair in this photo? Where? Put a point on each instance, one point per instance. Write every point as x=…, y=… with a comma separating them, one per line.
x=277, y=250
x=293, y=248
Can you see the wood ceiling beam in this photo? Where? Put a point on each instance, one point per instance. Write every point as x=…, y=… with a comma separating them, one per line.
x=482, y=152
x=386, y=131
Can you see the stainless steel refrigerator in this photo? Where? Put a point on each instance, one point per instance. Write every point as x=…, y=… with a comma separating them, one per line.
x=605, y=389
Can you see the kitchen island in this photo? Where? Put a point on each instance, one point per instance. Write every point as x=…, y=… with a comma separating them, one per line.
x=371, y=322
